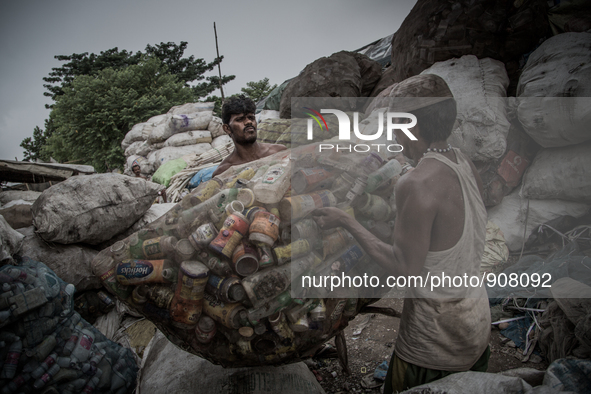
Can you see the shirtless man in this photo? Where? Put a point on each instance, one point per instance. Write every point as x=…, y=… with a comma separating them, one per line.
x=240, y=124
x=440, y=227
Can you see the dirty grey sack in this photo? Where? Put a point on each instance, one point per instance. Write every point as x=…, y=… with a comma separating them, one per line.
x=92, y=208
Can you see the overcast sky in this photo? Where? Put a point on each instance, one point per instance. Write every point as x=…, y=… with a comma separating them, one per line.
x=258, y=39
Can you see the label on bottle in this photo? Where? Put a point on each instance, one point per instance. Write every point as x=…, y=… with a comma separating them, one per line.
x=273, y=175
x=86, y=341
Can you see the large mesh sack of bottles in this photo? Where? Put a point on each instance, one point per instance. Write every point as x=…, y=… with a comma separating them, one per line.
x=46, y=347
x=220, y=274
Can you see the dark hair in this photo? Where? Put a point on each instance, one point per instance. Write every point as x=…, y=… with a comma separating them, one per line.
x=436, y=121
x=237, y=105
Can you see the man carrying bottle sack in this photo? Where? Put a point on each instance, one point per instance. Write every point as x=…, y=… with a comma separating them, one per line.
x=440, y=227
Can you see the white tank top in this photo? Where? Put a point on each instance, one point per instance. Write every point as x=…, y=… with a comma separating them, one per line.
x=449, y=329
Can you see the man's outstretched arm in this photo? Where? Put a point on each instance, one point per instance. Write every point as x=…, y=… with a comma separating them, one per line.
x=412, y=230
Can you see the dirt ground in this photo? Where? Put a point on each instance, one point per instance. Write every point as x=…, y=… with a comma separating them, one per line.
x=375, y=343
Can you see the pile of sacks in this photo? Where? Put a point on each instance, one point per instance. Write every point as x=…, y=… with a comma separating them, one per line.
x=221, y=274
x=189, y=129
x=553, y=107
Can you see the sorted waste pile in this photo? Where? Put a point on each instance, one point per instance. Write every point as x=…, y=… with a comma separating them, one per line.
x=46, y=346
x=186, y=131
x=215, y=273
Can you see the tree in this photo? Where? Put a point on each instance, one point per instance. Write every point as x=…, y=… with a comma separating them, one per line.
x=33, y=146
x=168, y=55
x=94, y=112
x=258, y=90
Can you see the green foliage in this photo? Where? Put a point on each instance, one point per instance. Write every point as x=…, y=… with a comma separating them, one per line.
x=258, y=90
x=95, y=112
x=34, y=146
x=121, y=105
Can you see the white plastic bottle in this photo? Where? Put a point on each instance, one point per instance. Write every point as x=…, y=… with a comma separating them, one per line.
x=273, y=185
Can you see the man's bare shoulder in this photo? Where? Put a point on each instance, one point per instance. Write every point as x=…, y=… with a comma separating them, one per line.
x=270, y=149
x=225, y=164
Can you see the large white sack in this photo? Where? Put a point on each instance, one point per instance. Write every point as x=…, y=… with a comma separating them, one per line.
x=221, y=141
x=139, y=132
x=560, y=71
x=10, y=241
x=92, y=208
x=13, y=195
x=167, y=369
x=267, y=114
x=560, y=173
x=70, y=262
x=186, y=122
x=174, y=152
x=510, y=216
x=158, y=119
x=215, y=127
x=189, y=138
x=192, y=108
x=161, y=133
x=139, y=148
x=480, y=88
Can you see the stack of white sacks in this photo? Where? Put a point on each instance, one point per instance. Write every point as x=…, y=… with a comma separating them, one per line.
x=187, y=129
x=554, y=106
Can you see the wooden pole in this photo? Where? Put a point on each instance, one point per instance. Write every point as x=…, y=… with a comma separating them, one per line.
x=219, y=67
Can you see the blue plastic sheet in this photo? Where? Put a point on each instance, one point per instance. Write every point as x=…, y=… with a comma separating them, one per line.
x=202, y=176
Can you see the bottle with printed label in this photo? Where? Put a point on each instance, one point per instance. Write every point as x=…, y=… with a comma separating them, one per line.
x=205, y=330
x=105, y=267
x=264, y=228
x=81, y=351
x=273, y=185
x=265, y=285
x=44, y=366
x=16, y=383
x=46, y=377
x=257, y=176
x=245, y=259
x=227, y=289
x=380, y=177
x=296, y=249
x=11, y=362
x=309, y=179
x=136, y=272
x=267, y=258
x=296, y=207
x=234, y=229
x=187, y=303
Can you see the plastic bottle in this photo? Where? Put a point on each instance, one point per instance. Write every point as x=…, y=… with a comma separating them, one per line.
x=227, y=314
x=234, y=229
x=273, y=185
x=205, y=329
x=136, y=272
x=264, y=228
x=11, y=362
x=44, y=366
x=296, y=207
x=318, y=313
x=187, y=303
x=105, y=268
x=16, y=383
x=255, y=315
x=257, y=176
x=245, y=258
x=265, y=285
x=81, y=351
x=387, y=172
x=298, y=248
x=309, y=179
x=46, y=377
x=227, y=289
x=373, y=207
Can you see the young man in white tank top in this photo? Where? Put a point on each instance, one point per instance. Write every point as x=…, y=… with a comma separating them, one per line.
x=440, y=228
